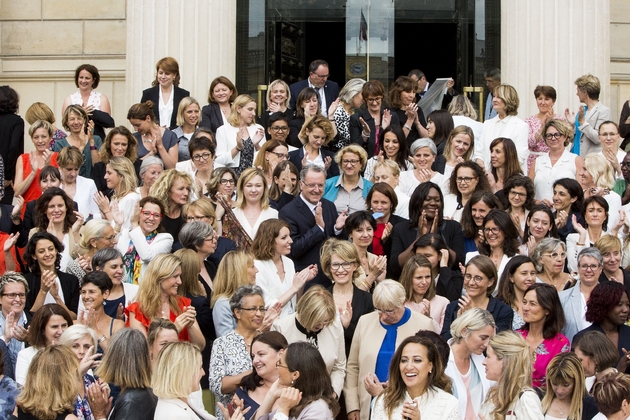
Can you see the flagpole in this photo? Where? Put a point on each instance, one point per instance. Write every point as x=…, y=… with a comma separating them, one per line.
x=367, y=53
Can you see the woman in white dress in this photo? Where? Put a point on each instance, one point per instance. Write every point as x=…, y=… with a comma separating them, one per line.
x=276, y=273
x=418, y=387
x=121, y=178
x=252, y=205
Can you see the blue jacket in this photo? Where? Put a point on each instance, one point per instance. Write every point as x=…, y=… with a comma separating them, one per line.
x=332, y=189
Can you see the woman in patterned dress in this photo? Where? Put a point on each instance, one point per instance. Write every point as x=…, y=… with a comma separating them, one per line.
x=545, y=100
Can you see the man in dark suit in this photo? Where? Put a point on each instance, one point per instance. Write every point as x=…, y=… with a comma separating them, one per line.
x=312, y=220
x=327, y=90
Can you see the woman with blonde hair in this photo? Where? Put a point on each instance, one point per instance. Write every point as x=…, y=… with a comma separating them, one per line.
x=565, y=396
x=152, y=137
x=613, y=267
x=51, y=386
x=252, y=203
x=284, y=187
x=241, y=137
x=157, y=297
x=352, y=160
x=235, y=270
x=350, y=100
x=188, y=117
x=119, y=142
x=173, y=189
x=459, y=147
x=471, y=334
x=316, y=132
x=388, y=171
x=120, y=176
x=509, y=363
x=41, y=111
x=177, y=370
x=95, y=235
x=464, y=113
x=598, y=178
x=315, y=321
x=81, y=190
x=277, y=100
x=420, y=289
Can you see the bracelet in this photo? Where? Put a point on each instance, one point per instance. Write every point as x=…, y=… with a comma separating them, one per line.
x=236, y=147
x=579, y=244
x=365, y=135
x=366, y=285
x=93, y=148
x=407, y=127
x=16, y=216
x=103, y=338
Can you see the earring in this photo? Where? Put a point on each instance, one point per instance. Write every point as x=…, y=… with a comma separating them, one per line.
x=292, y=382
x=430, y=371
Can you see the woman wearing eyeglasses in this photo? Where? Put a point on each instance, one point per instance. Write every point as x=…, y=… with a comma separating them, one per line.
x=157, y=298
x=231, y=358
x=315, y=321
x=517, y=198
x=269, y=156
x=466, y=179
x=480, y=281
x=223, y=182
x=95, y=235
x=349, y=190
x=201, y=150
x=145, y=238
x=557, y=163
x=549, y=257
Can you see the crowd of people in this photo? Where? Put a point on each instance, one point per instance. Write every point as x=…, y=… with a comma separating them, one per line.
x=341, y=255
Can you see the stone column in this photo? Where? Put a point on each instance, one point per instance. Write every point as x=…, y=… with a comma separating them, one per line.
x=553, y=42
x=199, y=34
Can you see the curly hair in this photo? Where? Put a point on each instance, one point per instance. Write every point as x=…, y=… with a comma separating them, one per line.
x=41, y=208
x=395, y=393
x=518, y=180
x=265, y=239
x=31, y=250
x=105, y=152
x=563, y=128
x=604, y=298
x=215, y=180
x=314, y=122
x=355, y=149
x=161, y=189
x=482, y=180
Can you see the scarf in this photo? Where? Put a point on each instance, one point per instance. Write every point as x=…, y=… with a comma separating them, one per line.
x=311, y=336
x=133, y=262
x=388, y=347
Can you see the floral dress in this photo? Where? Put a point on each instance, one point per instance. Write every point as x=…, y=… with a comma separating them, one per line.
x=535, y=142
x=81, y=405
x=547, y=350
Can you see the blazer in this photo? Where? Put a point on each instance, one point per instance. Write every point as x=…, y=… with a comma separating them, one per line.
x=330, y=344
x=307, y=237
x=176, y=409
x=153, y=94
x=366, y=344
x=316, y=410
x=459, y=389
x=513, y=128
x=161, y=243
x=331, y=91
x=69, y=287
x=361, y=305
x=501, y=313
x=404, y=235
x=11, y=142
x=356, y=129
x=297, y=155
x=571, y=301
x=211, y=117
x=589, y=141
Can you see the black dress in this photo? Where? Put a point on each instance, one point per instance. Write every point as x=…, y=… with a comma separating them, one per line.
x=361, y=305
x=28, y=416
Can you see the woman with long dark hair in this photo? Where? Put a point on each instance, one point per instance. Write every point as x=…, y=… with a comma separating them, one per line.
x=466, y=179
x=394, y=148
x=504, y=162
x=439, y=127
x=568, y=199
x=500, y=239
x=473, y=215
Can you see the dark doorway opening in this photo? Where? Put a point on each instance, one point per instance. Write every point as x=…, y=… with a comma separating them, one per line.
x=325, y=41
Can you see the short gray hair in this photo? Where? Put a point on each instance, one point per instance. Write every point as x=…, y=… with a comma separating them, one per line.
x=193, y=234
x=592, y=252
x=236, y=301
x=493, y=72
x=105, y=255
x=545, y=246
x=149, y=160
x=424, y=142
x=311, y=167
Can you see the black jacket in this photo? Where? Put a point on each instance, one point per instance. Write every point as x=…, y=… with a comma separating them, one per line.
x=69, y=287
x=153, y=94
x=134, y=403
